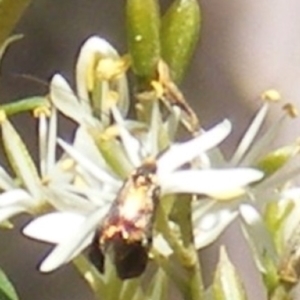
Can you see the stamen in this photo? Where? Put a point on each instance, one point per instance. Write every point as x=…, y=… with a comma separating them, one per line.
x=41, y=111
x=291, y=110
x=271, y=95
x=3, y=117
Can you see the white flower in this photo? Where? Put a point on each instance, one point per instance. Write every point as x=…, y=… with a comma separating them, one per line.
x=100, y=82
x=211, y=217
x=36, y=188
x=171, y=178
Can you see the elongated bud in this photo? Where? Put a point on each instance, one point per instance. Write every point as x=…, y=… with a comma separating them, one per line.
x=143, y=24
x=179, y=35
x=227, y=284
x=275, y=160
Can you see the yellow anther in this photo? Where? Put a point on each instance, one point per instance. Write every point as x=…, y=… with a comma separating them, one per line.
x=67, y=164
x=110, y=69
x=271, y=95
x=45, y=180
x=111, y=100
x=90, y=76
x=79, y=182
x=2, y=116
x=41, y=111
x=291, y=110
x=111, y=132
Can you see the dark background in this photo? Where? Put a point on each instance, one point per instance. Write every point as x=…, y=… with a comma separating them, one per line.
x=245, y=48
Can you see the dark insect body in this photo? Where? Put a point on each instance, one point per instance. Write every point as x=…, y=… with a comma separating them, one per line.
x=126, y=231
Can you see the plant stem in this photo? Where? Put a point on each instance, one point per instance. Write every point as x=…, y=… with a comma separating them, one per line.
x=94, y=279
x=24, y=105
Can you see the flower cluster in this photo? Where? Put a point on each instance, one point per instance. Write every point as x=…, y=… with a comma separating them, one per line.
x=101, y=189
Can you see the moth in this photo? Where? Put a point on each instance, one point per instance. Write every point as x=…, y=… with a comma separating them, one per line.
x=126, y=230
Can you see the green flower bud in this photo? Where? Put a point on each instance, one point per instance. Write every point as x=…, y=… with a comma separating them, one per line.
x=179, y=35
x=143, y=22
x=10, y=13
x=275, y=160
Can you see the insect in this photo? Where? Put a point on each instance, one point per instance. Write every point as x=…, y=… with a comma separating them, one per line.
x=126, y=231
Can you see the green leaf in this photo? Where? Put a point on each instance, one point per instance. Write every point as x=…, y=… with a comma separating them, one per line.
x=10, y=13
x=7, y=291
x=143, y=22
x=227, y=284
x=179, y=35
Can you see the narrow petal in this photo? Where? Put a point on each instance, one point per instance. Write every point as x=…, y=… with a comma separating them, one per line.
x=131, y=144
x=15, y=197
x=6, y=182
x=87, y=164
x=264, y=141
x=10, y=211
x=84, y=144
x=258, y=237
x=42, y=128
x=180, y=154
x=210, y=225
x=60, y=197
x=54, y=228
x=221, y=183
x=250, y=134
x=20, y=159
x=64, y=251
x=51, y=143
x=65, y=101
x=162, y=246
x=92, y=48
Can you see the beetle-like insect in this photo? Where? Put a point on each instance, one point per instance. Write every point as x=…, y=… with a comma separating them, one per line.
x=127, y=228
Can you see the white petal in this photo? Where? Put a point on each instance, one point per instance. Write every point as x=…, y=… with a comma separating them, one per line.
x=264, y=141
x=66, y=250
x=180, y=154
x=10, y=211
x=84, y=143
x=130, y=144
x=15, y=197
x=65, y=101
x=91, y=48
x=214, y=183
x=6, y=182
x=250, y=134
x=54, y=228
x=51, y=143
x=162, y=246
x=20, y=159
x=42, y=128
x=258, y=236
x=209, y=226
x=102, y=175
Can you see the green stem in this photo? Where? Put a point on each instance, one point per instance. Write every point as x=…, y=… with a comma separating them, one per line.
x=180, y=282
x=24, y=105
x=93, y=278
x=131, y=288
x=196, y=282
x=187, y=256
x=280, y=294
